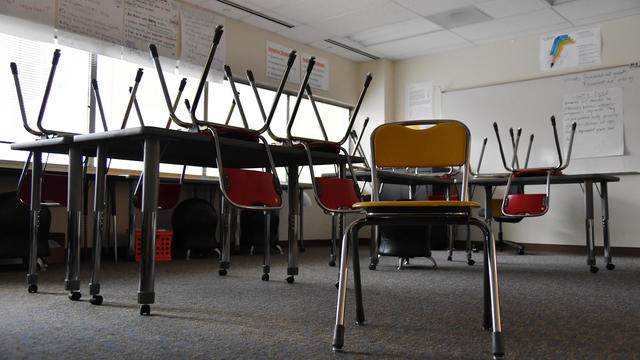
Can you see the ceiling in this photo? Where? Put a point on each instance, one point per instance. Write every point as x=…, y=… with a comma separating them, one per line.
x=362, y=30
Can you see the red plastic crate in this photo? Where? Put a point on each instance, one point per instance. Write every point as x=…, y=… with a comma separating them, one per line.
x=163, y=245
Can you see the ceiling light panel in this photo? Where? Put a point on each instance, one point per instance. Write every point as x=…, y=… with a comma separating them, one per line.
x=381, y=34
x=503, y=8
x=459, y=17
x=430, y=7
x=222, y=9
x=538, y=21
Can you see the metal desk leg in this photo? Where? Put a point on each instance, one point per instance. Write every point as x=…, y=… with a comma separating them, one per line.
x=74, y=214
x=225, y=236
x=146, y=294
x=486, y=318
x=589, y=225
x=292, y=224
x=34, y=223
x=98, y=226
x=131, y=248
x=301, y=224
x=604, y=196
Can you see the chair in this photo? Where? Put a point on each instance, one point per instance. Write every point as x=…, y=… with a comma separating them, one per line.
x=334, y=195
x=516, y=204
x=53, y=188
x=248, y=190
x=436, y=143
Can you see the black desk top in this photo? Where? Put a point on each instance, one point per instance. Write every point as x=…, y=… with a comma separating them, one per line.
x=179, y=147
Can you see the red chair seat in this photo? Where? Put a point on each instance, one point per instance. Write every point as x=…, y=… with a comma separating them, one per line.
x=168, y=196
x=533, y=204
x=336, y=193
x=250, y=187
x=54, y=189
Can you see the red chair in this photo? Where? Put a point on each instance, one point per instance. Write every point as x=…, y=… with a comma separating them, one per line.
x=247, y=190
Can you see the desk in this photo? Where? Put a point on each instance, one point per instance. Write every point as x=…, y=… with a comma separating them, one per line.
x=489, y=182
x=153, y=145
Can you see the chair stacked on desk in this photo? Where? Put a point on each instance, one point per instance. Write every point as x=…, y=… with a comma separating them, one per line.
x=516, y=204
x=334, y=195
x=48, y=189
x=435, y=143
x=247, y=190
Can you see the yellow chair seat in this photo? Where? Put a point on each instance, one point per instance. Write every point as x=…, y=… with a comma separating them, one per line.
x=414, y=204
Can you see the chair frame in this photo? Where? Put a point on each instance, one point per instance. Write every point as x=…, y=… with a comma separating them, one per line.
x=447, y=212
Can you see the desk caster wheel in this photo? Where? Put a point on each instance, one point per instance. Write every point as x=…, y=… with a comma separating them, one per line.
x=332, y=263
x=290, y=279
x=610, y=266
x=222, y=272
x=96, y=300
x=265, y=277
x=372, y=266
x=75, y=295
x=33, y=288
x=471, y=262
x=145, y=310
x=593, y=269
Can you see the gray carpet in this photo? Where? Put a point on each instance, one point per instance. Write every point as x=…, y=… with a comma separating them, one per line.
x=552, y=308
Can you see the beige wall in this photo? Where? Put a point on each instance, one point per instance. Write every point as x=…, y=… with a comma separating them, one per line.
x=518, y=60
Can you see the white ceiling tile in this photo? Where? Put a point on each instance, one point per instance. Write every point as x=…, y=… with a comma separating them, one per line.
x=263, y=23
x=413, y=27
x=365, y=18
x=504, y=8
x=537, y=21
x=222, y=9
x=605, y=17
x=312, y=11
x=304, y=34
x=436, y=41
x=430, y=7
x=584, y=9
x=265, y=4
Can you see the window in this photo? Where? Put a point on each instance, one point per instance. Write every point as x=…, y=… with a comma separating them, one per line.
x=68, y=110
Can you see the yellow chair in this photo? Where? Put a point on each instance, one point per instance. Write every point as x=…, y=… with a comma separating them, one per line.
x=424, y=143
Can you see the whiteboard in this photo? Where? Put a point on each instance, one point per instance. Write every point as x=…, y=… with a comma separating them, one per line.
x=529, y=105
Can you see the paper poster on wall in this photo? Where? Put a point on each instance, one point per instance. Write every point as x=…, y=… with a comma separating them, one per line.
x=599, y=118
x=419, y=100
x=79, y=22
x=571, y=49
x=150, y=21
x=31, y=19
x=197, y=29
x=277, y=56
x=319, y=78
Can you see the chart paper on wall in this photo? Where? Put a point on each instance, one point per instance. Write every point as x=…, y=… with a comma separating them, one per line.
x=277, y=56
x=319, y=78
x=571, y=49
x=197, y=30
x=150, y=21
x=31, y=19
x=419, y=100
x=598, y=115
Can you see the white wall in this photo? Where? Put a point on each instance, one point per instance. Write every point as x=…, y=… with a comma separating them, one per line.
x=518, y=60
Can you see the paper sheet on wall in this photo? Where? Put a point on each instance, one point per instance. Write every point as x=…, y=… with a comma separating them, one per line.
x=277, y=56
x=197, y=30
x=599, y=118
x=419, y=100
x=570, y=50
x=150, y=21
x=81, y=22
x=319, y=78
x=32, y=19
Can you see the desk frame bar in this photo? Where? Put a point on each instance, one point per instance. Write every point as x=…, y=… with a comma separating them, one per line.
x=589, y=225
x=604, y=197
x=98, y=220
x=293, y=221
